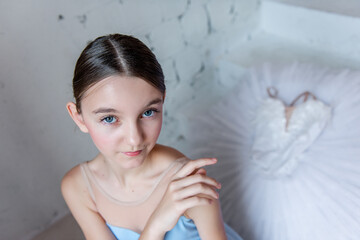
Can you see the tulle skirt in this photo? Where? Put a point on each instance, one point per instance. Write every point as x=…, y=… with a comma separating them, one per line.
x=320, y=197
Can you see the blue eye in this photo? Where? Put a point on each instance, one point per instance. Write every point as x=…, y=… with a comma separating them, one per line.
x=148, y=113
x=109, y=119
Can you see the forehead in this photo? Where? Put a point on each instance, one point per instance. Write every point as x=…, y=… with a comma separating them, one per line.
x=119, y=92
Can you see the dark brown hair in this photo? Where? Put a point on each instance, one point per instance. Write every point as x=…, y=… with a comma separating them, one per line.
x=115, y=54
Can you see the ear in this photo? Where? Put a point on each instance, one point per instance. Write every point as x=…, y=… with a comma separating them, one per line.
x=76, y=116
x=164, y=96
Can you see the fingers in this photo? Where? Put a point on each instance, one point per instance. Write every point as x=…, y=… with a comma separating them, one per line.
x=194, y=165
x=193, y=185
x=194, y=179
x=198, y=189
x=192, y=202
x=190, y=187
x=200, y=171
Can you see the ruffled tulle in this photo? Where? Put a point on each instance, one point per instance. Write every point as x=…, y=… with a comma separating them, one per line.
x=280, y=140
x=319, y=197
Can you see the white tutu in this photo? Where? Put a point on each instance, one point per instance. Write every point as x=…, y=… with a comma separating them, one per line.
x=277, y=187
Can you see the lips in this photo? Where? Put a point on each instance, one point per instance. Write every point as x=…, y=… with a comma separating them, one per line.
x=133, y=154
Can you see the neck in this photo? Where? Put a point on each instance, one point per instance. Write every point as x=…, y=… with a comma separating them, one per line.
x=125, y=178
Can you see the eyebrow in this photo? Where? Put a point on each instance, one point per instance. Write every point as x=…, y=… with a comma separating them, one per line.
x=112, y=110
x=155, y=101
x=104, y=110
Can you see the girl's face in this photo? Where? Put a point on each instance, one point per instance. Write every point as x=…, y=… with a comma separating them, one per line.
x=123, y=116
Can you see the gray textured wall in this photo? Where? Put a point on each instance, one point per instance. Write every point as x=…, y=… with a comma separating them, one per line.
x=348, y=7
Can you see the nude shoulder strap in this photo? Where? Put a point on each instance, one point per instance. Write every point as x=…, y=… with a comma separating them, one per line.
x=85, y=173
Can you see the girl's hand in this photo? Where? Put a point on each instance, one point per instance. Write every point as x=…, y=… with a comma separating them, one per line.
x=190, y=187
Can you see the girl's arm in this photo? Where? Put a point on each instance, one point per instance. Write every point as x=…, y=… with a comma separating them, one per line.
x=208, y=221
x=82, y=207
x=189, y=189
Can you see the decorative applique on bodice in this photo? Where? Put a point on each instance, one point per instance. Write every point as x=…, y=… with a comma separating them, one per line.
x=283, y=133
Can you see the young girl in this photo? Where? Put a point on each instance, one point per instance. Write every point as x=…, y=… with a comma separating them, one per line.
x=134, y=188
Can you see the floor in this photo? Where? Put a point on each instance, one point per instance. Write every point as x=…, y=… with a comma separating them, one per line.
x=66, y=228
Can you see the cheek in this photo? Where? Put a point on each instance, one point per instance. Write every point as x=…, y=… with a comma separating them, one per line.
x=154, y=129
x=102, y=140
x=157, y=129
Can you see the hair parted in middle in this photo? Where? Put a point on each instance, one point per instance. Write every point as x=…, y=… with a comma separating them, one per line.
x=115, y=54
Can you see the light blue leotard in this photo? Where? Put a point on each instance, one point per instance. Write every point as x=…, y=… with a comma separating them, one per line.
x=185, y=229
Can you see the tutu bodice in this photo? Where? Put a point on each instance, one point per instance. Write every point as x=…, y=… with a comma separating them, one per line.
x=281, y=138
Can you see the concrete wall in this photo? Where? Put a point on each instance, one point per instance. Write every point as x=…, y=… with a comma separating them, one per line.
x=347, y=7
x=287, y=32
x=40, y=41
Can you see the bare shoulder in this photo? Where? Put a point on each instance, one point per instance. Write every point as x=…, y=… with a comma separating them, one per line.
x=166, y=155
x=74, y=188
x=77, y=197
x=71, y=180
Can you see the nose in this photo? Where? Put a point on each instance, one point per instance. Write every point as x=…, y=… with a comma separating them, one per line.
x=134, y=135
